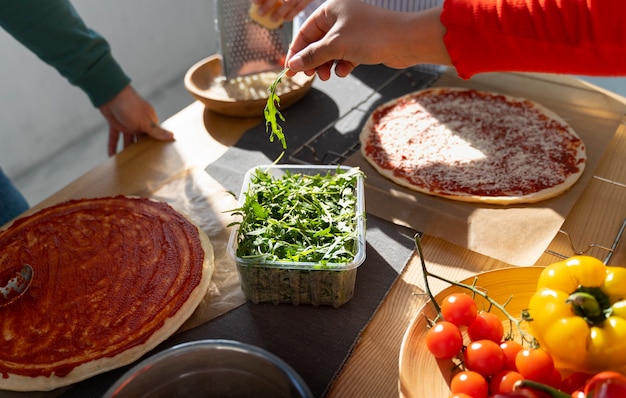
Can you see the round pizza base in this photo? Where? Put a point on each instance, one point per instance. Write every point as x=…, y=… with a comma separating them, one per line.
x=533, y=197
x=90, y=369
x=493, y=200
x=16, y=382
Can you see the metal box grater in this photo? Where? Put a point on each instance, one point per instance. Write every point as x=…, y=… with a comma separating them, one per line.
x=247, y=47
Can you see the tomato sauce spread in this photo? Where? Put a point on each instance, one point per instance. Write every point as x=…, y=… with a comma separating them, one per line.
x=464, y=142
x=108, y=272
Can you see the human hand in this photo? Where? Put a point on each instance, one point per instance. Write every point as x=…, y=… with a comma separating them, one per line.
x=347, y=33
x=280, y=9
x=131, y=116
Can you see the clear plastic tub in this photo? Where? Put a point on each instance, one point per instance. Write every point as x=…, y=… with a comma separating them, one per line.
x=286, y=281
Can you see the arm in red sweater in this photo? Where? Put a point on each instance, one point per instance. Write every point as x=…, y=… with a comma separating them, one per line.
x=558, y=36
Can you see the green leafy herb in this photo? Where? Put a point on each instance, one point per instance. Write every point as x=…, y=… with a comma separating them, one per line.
x=300, y=218
x=271, y=112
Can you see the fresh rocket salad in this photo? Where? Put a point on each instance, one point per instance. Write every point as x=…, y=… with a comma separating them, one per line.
x=272, y=113
x=299, y=217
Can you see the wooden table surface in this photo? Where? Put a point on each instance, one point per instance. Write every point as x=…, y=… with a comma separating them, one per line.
x=372, y=368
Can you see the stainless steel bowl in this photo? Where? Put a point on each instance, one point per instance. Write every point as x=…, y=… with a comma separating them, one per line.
x=211, y=368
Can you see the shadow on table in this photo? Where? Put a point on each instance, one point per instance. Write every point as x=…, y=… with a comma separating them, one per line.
x=314, y=112
x=324, y=126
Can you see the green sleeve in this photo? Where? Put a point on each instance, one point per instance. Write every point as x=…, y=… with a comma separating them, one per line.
x=53, y=30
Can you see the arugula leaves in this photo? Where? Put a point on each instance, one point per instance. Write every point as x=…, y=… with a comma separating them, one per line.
x=271, y=112
x=299, y=217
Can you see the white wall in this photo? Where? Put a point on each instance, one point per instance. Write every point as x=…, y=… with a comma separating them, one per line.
x=155, y=41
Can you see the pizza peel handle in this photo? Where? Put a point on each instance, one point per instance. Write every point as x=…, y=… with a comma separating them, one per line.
x=13, y=284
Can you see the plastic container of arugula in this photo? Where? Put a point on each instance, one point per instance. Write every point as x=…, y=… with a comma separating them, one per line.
x=301, y=234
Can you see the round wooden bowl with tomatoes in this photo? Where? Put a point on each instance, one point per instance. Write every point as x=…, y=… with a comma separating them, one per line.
x=422, y=374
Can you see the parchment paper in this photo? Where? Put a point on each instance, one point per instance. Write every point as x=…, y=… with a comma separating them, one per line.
x=518, y=234
x=207, y=204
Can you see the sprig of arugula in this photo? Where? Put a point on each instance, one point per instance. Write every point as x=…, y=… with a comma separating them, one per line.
x=300, y=218
x=272, y=113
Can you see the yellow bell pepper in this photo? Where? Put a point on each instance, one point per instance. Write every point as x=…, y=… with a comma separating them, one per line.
x=578, y=314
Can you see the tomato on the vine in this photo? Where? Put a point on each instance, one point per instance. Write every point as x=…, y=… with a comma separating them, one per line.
x=504, y=381
x=444, y=340
x=486, y=326
x=555, y=379
x=470, y=383
x=535, y=364
x=484, y=357
x=459, y=308
x=510, y=348
x=574, y=381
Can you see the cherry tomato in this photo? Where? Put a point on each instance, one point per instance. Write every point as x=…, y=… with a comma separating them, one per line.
x=444, y=340
x=459, y=308
x=470, y=383
x=504, y=381
x=574, y=381
x=555, y=380
x=486, y=326
x=460, y=395
x=534, y=364
x=484, y=357
x=510, y=348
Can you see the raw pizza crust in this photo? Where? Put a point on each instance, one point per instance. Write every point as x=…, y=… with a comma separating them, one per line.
x=134, y=349
x=423, y=147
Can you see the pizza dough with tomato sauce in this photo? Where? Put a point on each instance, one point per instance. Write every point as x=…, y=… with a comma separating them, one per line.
x=473, y=146
x=113, y=278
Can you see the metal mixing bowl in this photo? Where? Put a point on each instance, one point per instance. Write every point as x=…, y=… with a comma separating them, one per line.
x=211, y=368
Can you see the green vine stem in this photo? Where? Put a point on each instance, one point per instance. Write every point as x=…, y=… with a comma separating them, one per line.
x=513, y=320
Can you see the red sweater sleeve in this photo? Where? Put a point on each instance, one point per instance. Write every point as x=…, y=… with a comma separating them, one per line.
x=585, y=37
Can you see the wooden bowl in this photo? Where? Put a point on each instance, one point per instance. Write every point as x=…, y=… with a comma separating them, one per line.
x=205, y=82
x=421, y=374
